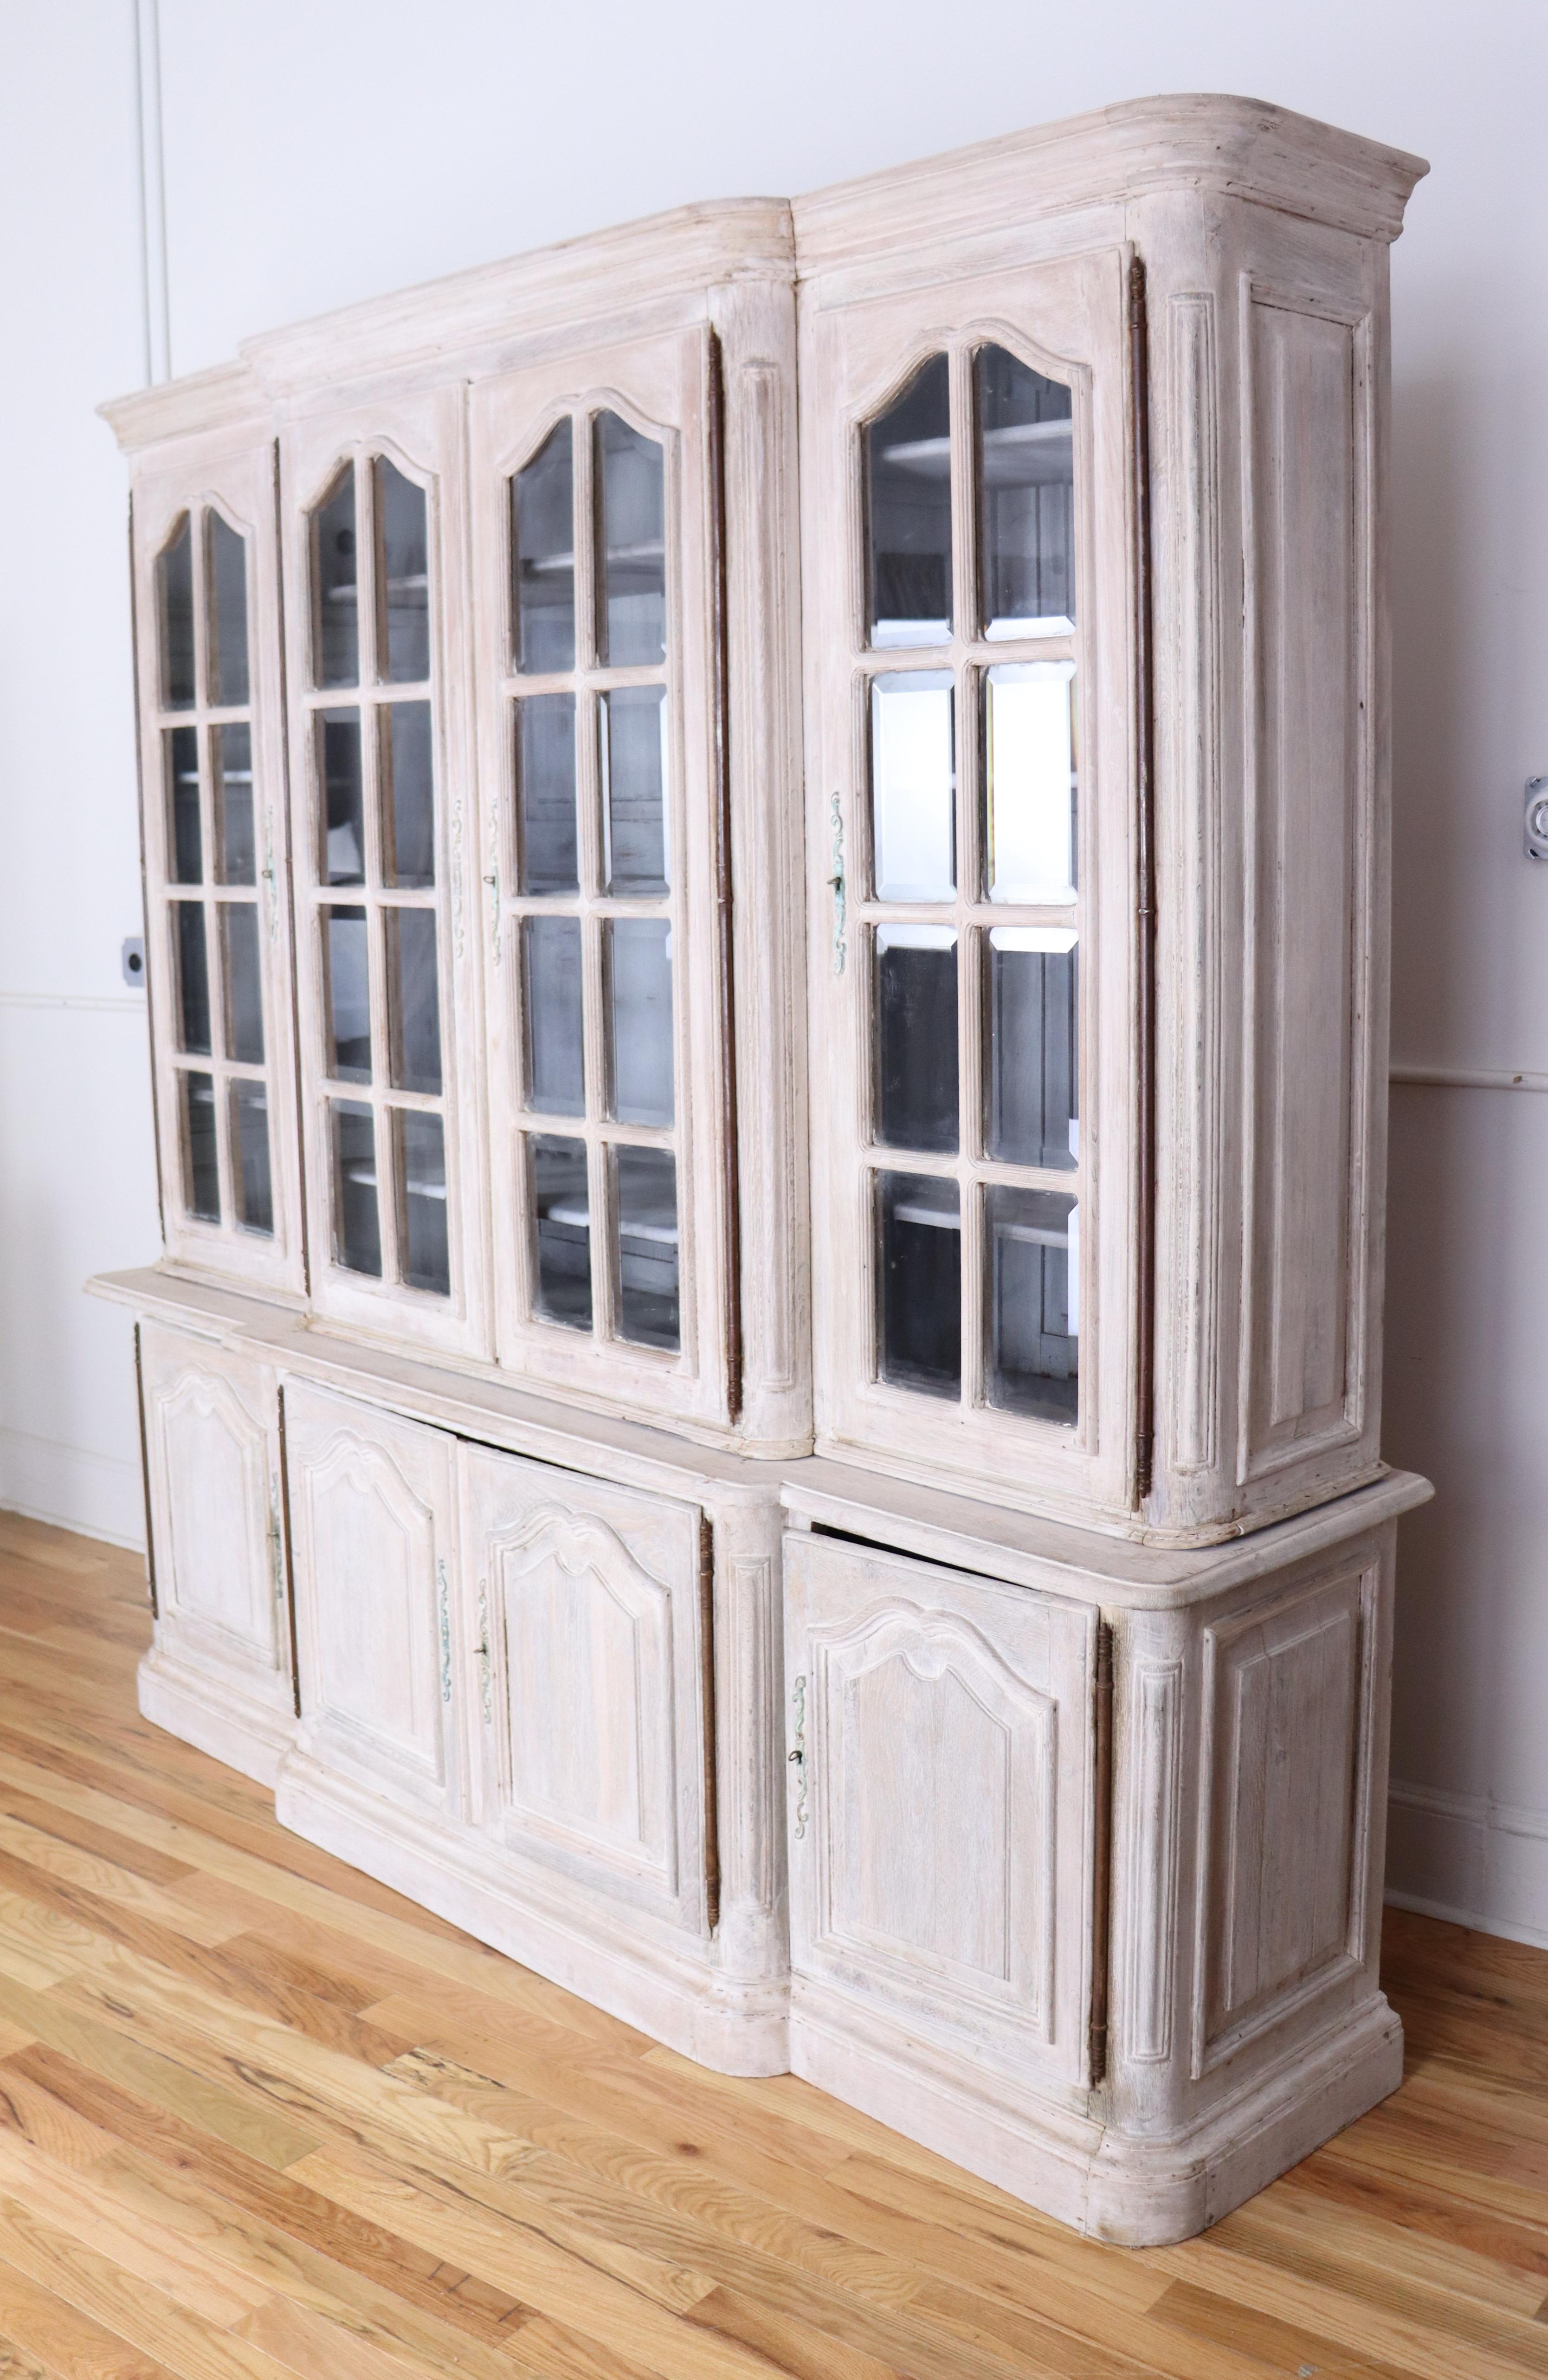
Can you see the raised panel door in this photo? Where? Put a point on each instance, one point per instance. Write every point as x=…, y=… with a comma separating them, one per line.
x=210, y=1435
x=372, y=1517
x=582, y=1605
x=940, y=1769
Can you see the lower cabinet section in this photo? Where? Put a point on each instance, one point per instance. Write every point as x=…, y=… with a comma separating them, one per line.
x=219, y=1672
x=1074, y=1875
x=506, y=1713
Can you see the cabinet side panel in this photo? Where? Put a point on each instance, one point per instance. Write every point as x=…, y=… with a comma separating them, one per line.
x=1305, y=616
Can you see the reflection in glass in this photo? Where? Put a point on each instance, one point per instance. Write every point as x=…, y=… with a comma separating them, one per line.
x=249, y=1141
x=916, y=1037
x=180, y=746
x=356, y=1223
x=633, y=789
x=413, y=999
x=343, y=801
x=1026, y=498
x=548, y=859
x=193, y=979
x=648, y=1270
x=1029, y=782
x=244, y=989
x=420, y=1155
x=233, y=753
x=175, y=606
x=552, y=981
x=631, y=568
x=202, y=1173
x=1030, y=1053
x=349, y=1005
x=913, y=778
x=561, y=1206
x=226, y=565
x=543, y=556
x=919, y=1281
x=1033, y=1254
x=908, y=488
x=336, y=596
x=639, y=1018
x=408, y=794
x=403, y=634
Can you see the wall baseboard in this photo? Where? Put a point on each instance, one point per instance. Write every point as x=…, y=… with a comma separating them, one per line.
x=1468, y=1859
x=70, y=1486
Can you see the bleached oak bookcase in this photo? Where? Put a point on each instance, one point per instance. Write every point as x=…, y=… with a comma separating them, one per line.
x=769, y=1025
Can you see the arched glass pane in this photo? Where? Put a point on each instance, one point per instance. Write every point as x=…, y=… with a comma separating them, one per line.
x=227, y=567
x=403, y=634
x=632, y=569
x=335, y=586
x=908, y=493
x=543, y=556
x=174, y=606
x=1026, y=498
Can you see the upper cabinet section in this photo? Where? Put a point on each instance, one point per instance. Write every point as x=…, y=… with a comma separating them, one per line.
x=215, y=841
x=1004, y=1107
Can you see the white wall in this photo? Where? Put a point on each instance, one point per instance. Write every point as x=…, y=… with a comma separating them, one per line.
x=321, y=151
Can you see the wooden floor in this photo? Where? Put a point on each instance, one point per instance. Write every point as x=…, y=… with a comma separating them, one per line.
x=260, y=2118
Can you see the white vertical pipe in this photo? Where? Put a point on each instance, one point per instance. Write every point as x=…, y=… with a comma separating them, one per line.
x=155, y=309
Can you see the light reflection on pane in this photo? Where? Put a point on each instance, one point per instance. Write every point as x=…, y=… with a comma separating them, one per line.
x=648, y=1258
x=548, y=858
x=1031, y=1052
x=1026, y=498
x=632, y=570
x=908, y=475
x=639, y=987
x=420, y=1151
x=633, y=789
x=413, y=999
x=403, y=577
x=357, y=1221
x=562, y=1209
x=916, y=1037
x=349, y=1006
x=343, y=801
x=919, y=1280
x=249, y=1141
x=336, y=593
x=180, y=749
x=232, y=750
x=1033, y=1241
x=1029, y=782
x=193, y=979
x=202, y=1173
x=244, y=986
x=408, y=794
x=175, y=606
x=914, y=776
x=542, y=547
x=226, y=565
x=552, y=978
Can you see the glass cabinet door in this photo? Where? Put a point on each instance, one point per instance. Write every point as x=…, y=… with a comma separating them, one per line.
x=970, y=690
x=208, y=612
x=378, y=773
x=590, y=513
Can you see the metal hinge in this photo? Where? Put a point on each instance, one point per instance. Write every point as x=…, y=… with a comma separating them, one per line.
x=1102, y=1856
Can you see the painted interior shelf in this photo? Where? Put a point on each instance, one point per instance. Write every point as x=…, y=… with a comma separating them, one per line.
x=767, y=919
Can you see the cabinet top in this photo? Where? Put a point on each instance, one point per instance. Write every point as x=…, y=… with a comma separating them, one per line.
x=1242, y=148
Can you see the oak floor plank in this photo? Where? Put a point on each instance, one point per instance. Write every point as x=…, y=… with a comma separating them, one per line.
x=262, y=2118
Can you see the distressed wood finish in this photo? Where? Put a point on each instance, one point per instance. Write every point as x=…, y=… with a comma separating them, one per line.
x=1014, y=1761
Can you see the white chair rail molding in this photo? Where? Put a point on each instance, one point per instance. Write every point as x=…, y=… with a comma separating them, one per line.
x=767, y=879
